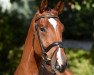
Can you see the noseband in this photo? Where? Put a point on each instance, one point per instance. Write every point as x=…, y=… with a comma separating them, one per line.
x=45, y=50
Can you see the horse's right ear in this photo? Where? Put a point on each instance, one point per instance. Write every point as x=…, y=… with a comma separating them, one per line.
x=59, y=7
x=43, y=6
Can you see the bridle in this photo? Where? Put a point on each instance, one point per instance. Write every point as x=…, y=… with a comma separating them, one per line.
x=45, y=50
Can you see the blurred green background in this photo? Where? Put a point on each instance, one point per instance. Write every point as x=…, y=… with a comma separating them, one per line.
x=16, y=16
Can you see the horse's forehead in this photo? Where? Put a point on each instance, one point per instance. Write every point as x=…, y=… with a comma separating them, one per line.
x=53, y=22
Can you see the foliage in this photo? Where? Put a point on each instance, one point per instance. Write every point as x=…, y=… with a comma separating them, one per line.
x=11, y=36
x=80, y=62
x=78, y=19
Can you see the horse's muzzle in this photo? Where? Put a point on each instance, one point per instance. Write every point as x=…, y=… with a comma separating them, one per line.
x=60, y=68
x=59, y=61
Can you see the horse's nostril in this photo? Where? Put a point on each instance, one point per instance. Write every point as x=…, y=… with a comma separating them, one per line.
x=60, y=68
x=48, y=62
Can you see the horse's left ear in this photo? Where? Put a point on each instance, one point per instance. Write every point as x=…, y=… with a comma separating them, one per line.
x=43, y=6
x=59, y=7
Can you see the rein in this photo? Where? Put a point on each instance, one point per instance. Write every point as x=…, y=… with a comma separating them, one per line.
x=45, y=50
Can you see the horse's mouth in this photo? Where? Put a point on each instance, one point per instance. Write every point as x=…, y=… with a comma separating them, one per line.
x=60, y=68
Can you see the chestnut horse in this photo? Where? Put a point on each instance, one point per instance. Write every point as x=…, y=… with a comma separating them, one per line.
x=43, y=52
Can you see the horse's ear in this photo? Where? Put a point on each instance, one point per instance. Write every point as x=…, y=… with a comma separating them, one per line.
x=59, y=7
x=43, y=6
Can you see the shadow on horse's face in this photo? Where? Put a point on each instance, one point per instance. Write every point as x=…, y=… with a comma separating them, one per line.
x=49, y=34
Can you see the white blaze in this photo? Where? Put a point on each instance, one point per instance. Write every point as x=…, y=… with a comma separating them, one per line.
x=59, y=57
x=53, y=22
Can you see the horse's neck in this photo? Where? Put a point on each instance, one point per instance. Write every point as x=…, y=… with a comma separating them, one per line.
x=28, y=64
x=28, y=47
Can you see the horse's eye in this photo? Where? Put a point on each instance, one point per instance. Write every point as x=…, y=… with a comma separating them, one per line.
x=43, y=29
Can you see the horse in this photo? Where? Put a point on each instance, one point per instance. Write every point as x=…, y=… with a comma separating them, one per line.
x=43, y=52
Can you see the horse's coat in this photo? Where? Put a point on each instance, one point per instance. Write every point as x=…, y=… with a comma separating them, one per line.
x=45, y=33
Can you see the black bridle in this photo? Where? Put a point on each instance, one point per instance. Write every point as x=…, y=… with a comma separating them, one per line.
x=45, y=50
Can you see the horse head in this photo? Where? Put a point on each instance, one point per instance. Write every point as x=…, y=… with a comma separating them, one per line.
x=48, y=36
